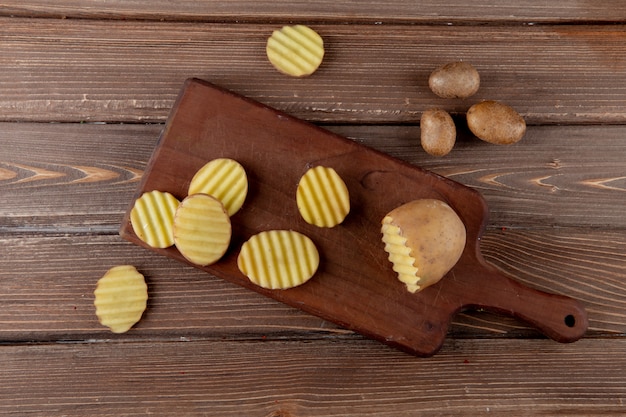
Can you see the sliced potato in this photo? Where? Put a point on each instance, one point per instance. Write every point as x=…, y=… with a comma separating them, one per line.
x=152, y=217
x=202, y=229
x=120, y=298
x=224, y=179
x=278, y=259
x=322, y=197
x=295, y=50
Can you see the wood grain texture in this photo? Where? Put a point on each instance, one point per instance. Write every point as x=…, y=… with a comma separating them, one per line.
x=208, y=347
x=47, y=283
x=71, y=177
x=286, y=378
x=367, y=11
x=86, y=70
x=65, y=178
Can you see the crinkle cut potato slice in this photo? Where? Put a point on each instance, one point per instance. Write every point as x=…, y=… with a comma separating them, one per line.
x=295, y=50
x=152, y=217
x=224, y=179
x=322, y=197
x=278, y=259
x=202, y=229
x=120, y=298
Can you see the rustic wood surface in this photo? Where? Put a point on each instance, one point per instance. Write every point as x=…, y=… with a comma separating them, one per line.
x=85, y=89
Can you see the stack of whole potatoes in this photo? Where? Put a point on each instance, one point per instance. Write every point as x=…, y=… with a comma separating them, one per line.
x=491, y=121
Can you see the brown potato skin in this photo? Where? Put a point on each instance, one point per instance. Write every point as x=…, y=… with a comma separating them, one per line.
x=496, y=122
x=437, y=132
x=455, y=80
x=435, y=234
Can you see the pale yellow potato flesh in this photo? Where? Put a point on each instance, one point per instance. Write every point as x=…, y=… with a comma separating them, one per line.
x=202, y=229
x=322, y=197
x=278, y=259
x=295, y=50
x=152, y=217
x=224, y=179
x=120, y=298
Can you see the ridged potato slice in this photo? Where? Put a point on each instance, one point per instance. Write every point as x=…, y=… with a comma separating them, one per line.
x=202, y=229
x=120, y=298
x=295, y=50
x=224, y=179
x=322, y=197
x=278, y=259
x=152, y=217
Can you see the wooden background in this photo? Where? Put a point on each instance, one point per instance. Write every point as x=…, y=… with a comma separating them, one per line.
x=85, y=89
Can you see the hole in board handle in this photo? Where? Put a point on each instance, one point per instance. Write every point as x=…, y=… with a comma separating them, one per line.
x=570, y=320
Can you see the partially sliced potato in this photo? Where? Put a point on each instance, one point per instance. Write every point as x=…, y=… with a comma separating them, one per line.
x=424, y=239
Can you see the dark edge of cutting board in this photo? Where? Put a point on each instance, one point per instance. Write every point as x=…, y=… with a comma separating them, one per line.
x=355, y=286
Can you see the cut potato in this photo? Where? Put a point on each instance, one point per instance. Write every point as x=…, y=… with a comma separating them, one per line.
x=424, y=240
x=152, y=217
x=120, y=298
x=295, y=50
x=202, y=229
x=322, y=197
x=278, y=259
x=224, y=179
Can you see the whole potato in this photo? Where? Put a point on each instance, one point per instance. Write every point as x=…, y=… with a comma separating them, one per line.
x=437, y=132
x=455, y=80
x=496, y=122
x=424, y=239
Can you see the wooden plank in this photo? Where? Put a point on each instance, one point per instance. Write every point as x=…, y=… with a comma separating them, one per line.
x=321, y=378
x=70, y=177
x=47, y=283
x=86, y=174
x=92, y=70
x=368, y=11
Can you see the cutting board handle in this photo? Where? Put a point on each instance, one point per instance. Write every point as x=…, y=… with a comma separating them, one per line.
x=561, y=318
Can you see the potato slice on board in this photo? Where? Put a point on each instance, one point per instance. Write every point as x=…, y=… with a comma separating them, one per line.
x=152, y=217
x=202, y=229
x=224, y=179
x=322, y=197
x=278, y=259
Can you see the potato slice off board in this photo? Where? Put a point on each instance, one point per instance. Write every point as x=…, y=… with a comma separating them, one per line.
x=355, y=286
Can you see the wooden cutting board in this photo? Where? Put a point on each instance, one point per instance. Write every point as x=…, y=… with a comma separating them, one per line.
x=355, y=286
